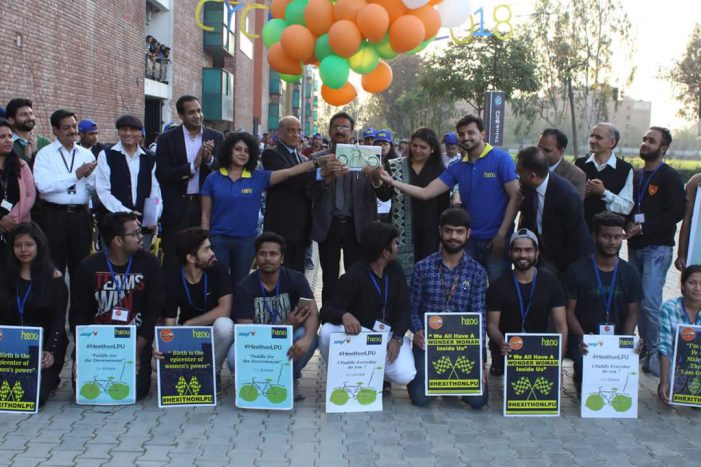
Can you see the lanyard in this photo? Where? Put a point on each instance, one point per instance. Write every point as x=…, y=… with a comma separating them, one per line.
x=609, y=300
x=527, y=309
x=274, y=313
x=23, y=302
x=118, y=285
x=379, y=292
x=449, y=293
x=643, y=186
x=187, y=290
x=69, y=169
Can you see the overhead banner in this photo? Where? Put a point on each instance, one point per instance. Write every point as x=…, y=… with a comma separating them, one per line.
x=186, y=375
x=453, y=354
x=494, y=112
x=20, y=368
x=610, y=377
x=105, y=357
x=356, y=370
x=686, y=369
x=263, y=370
x=532, y=375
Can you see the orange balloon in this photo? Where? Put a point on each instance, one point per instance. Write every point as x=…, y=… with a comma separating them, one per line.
x=344, y=37
x=379, y=79
x=278, y=8
x=281, y=62
x=298, y=42
x=373, y=22
x=319, y=16
x=431, y=19
x=406, y=33
x=338, y=97
x=395, y=8
x=348, y=9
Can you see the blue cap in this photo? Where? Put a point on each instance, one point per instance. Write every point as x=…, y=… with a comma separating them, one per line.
x=3, y=113
x=383, y=135
x=369, y=133
x=86, y=125
x=167, y=126
x=318, y=135
x=450, y=138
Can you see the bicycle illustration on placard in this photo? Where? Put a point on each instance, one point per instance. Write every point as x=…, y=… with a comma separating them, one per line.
x=364, y=394
x=357, y=158
x=274, y=392
x=461, y=363
x=620, y=401
x=116, y=389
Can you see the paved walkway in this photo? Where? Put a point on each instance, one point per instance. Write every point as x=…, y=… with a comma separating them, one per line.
x=446, y=434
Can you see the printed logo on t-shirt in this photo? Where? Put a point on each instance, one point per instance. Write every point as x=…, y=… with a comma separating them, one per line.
x=247, y=191
x=490, y=175
x=107, y=299
x=265, y=308
x=652, y=189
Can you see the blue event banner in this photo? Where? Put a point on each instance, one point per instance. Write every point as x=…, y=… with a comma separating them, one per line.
x=263, y=370
x=106, y=364
x=186, y=375
x=20, y=373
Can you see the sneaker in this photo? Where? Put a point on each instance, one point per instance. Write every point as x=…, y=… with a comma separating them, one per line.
x=298, y=394
x=309, y=264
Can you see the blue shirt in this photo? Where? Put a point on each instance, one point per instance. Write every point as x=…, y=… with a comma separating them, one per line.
x=235, y=205
x=432, y=283
x=481, y=184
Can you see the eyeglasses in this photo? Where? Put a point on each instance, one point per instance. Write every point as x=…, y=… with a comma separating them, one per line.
x=136, y=233
x=341, y=127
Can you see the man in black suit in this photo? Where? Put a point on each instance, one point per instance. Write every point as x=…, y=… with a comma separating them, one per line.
x=185, y=155
x=552, y=208
x=343, y=205
x=288, y=205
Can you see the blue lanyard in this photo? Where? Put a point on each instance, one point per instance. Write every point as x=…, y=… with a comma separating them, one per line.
x=609, y=300
x=643, y=186
x=274, y=313
x=118, y=286
x=379, y=292
x=187, y=290
x=524, y=312
x=22, y=303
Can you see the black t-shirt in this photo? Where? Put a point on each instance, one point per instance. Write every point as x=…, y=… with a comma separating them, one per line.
x=218, y=286
x=502, y=297
x=581, y=285
x=264, y=307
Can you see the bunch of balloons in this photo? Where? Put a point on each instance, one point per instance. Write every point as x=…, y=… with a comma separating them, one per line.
x=340, y=36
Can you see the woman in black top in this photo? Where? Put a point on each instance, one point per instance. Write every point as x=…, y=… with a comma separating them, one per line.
x=34, y=293
x=417, y=220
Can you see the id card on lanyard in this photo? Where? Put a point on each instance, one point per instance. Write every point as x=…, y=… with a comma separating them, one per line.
x=381, y=325
x=119, y=313
x=639, y=216
x=608, y=327
x=274, y=311
x=527, y=308
x=22, y=303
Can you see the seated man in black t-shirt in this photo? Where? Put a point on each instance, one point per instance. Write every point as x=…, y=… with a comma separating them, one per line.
x=523, y=300
x=201, y=289
x=603, y=291
x=278, y=295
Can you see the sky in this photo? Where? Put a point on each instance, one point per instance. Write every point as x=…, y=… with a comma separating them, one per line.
x=661, y=31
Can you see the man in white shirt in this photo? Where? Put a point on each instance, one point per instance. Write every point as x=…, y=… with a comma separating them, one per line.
x=63, y=173
x=126, y=178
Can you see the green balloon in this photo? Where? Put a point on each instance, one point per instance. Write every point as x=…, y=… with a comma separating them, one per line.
x=421, y=46
x=334, y=71
x=365, y=59
x=291, y=78
x=294, y=13
x=272, y=31
x=322, y=49
x=384, y=49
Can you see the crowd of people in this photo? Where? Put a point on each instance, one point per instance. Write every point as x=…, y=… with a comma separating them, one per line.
x=531, y=244
x=157, y=60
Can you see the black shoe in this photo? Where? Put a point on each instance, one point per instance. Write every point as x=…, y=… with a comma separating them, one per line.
x=386, y=387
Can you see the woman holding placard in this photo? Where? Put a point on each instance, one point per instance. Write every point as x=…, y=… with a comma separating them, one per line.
x=34, y=293
x=681, y=310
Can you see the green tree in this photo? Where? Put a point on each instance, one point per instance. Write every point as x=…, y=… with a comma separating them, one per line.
x=686, y=76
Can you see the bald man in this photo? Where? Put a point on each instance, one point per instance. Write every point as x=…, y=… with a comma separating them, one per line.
x=287, y=205
x=609, y=184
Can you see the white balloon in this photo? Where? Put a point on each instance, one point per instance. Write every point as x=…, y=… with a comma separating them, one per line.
x=453, y=12
x=414, y=4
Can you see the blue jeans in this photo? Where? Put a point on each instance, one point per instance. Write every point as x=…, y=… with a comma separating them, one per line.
x=652, y=262
x=481, y=251
x=417, y=387
x=297, y=365
x=236, y=253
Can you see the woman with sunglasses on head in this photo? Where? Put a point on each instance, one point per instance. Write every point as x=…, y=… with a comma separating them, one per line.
x=34, y=293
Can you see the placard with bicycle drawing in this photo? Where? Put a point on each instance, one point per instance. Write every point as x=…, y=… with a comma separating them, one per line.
x=356, y=369
x=105, y=358
x=263, y=372
x=610, y=377
x=355, y=157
